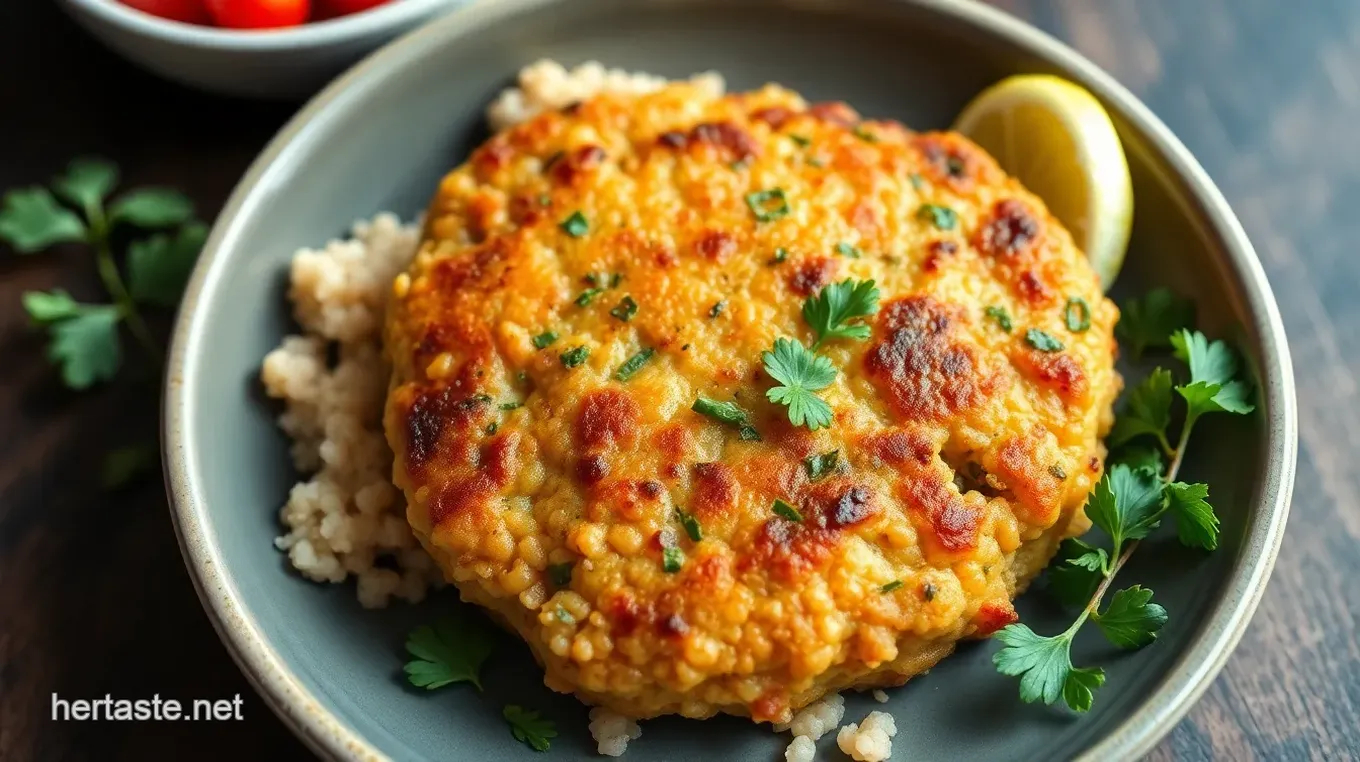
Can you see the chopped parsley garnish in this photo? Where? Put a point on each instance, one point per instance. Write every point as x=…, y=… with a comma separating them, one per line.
x=891, y=586
x=544, y=199
x=691, y=525
x=451, y=651
x=564, y=616
x=955, y=166
x=800, y=140
x=575, y=225
x=560, y=574
x=847, y=250
x=615, y=280
x=573, y=357
x=729, y=413
x=865, y=135
x=786, y=511
x=1149, y=321
x=917, y=181
x=781, y=254
x=1001, y=316
x=511, y=405
x=1077, y=314
x=942, y=217
x=717, y=309
x=632, y=365
x=1042, y=341
x=592, y=279
x=928, y=592
x=768, y=205
x=832, y=309
x=492, y=427
x=815, y=162
x=625, y=309
x=545, y=339
x=588, y=296
x=529, y=728
x=672, y=559
x=800, y=374
x=820, y=466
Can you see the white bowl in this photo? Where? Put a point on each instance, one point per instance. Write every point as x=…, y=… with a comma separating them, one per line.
x=283, y=64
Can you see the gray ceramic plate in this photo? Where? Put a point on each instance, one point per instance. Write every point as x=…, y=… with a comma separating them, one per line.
x=380, y=137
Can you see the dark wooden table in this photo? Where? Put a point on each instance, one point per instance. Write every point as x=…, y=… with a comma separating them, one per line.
x=94, y=598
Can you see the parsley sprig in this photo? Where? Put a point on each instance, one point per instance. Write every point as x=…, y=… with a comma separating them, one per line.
x=1128, y=504
x=84, y=339
x=833, y=313
x=529, y=728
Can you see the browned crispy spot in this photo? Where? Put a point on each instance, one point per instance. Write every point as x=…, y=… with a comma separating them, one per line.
x=494, y=155
x=834, y=112
x=992, y=616
x=1034, y=484
x=715, y=490
x=651, y=489
x=592, y=469
x=576, y=164
x=481, y=266
x=735, y=142
x=775, y=116
x=525, y=209
x=606, y=417
x=431, y=412
x=812, y=274
x=1056, y=370
x=772, y=706
x=917, y=366
x=1010, y=231
x=864, y=218
x=470, y=485
x=789, y=551
x=948, y=160
x=716, y=245
x=1033, y=288
x=934, y=507
x=672, y=139
x=625, y=613
x=482, y=210
x=899, y=448
x=936, y=253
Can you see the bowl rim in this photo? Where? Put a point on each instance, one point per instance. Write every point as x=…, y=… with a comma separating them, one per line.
x=314, y=34
x=1135, y=735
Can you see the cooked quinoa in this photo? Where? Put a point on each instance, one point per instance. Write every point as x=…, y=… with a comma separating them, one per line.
x=612, y=731
x=870, y=740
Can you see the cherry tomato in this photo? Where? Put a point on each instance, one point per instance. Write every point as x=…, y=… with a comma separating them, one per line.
x=258, y=14
x=332, y=8
x=187, y=11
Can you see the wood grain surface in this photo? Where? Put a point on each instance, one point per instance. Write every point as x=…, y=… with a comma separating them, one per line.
x=93, y=594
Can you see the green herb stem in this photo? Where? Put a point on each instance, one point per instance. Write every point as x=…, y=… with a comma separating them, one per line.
x=113, y=282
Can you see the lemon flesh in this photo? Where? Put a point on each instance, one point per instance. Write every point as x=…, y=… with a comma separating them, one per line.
x=1057, y=139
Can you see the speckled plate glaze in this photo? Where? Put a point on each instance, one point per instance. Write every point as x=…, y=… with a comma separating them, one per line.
x=381, y=136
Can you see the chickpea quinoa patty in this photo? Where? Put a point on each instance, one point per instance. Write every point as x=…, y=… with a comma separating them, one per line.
x=590, y=273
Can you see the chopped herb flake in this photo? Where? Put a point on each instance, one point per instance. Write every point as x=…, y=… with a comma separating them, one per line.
x=942, y=217
x=1002, y=318
x=632, y=365
x=815, y=162
x=781, y=255
x=865, y=135
x=917, y=181
x=955, y=166
x=786, y=511
x=800, y=140
x=563, y=616
x=1077, y=314
x=588, y=296
x=544, y=199
x=891, y=586
x=717, y=309
x=928, y=592
x=846, y=250
x=672, y=559
x=511, y=405
x=616, y=280
x=545, y=339
x=820, y=466
x=729, y=413
x=492, y=427
x=573, y=357
x=1042, y=341
x=575, y=225
x=691, y=525
x=625, y=309
x=768, y=205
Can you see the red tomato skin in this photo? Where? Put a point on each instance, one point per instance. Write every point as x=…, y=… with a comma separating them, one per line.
x=186, y=11
x=329, y=9
x=259, y=14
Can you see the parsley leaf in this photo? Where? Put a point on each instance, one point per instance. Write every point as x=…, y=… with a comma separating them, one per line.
x=1131, y=621
x=800, y=374
x=1126, y=504
x=1001, y=316
x=588, y=296
x=529, y=728
x=847, y=250
x=1139, y=457
x=86, y=345
x=1148, y=410
x=45, y=307
x=891, y=586
x=625, y=309
x=1213, y=367
x=449, y=652
x=1077, y=314
x=1149, y=321
x=729, y=413
x=152, y=208
x=575, y=225
x=31, y=220
x=691, y=524
x=545, y=339
x=831, y=310
x=632, y=365
x=573, y=357
x=1196, y=524
x=159, y=266
x=768, y=205
x=1042, y=341
x=1076, y=572
x=942, y=217
x=822, y=465
x=786, y=510
x=87, y=182
x=672, y=559
x=1044, y=665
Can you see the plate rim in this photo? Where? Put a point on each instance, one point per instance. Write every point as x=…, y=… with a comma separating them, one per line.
x=1188, y=678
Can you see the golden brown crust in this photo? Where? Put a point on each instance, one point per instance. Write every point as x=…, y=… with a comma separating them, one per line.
x=965, y=453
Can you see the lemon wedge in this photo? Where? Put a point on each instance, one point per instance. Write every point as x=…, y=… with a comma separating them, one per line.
x=1056, y=139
